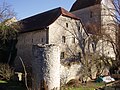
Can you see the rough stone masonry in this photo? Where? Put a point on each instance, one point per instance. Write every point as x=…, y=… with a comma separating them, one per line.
x=46, y=67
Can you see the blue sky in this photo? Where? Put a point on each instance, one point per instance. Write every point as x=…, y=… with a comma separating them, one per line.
x=26, y=8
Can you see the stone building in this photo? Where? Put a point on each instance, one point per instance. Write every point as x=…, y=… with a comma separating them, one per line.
x=62, y=28
x=56, y=26
x=98, y=18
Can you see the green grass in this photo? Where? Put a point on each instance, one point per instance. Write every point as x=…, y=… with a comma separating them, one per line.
x=79, y=88
x=1, y=81
x=89, y=86
x=14, y=85
x=99, y=84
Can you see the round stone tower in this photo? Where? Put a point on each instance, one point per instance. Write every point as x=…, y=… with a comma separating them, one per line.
x=46, y=67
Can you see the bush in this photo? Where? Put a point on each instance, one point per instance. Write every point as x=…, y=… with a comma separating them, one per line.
x=6, y=72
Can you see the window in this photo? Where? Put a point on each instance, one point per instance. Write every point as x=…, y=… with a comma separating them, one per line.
x=42, y=39
x=63, y=39
x=62, y=56
x=78, y=28
x=67, y=25
x=93, y=46
x=32, y=40
x=91, y=14
x=73, y=39
x=79, y=55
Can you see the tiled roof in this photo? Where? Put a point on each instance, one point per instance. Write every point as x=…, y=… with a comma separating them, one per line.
x=68, y=14
x=43, y=20
x=80, y=4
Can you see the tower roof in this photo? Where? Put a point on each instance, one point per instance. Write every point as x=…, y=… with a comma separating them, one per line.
x=79, y=4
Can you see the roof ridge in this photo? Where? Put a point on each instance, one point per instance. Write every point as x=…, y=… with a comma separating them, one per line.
x=42, y=20
x=67, y=13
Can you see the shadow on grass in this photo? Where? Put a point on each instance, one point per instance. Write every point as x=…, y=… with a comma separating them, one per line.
x=12, y=85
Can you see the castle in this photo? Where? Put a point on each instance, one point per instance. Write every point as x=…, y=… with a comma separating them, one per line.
x=69, y=31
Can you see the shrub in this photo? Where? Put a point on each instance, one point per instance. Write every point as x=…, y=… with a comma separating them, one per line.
x=6, y=72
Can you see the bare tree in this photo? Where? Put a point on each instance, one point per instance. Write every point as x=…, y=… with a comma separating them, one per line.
x=89, y=43
x=110, y=31
x=84, y=49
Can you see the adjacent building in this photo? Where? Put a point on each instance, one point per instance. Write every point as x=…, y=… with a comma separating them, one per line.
x=98, y=16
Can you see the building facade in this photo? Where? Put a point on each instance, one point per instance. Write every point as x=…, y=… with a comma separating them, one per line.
x=98, y=17
x=70, y=31
x=56, y=26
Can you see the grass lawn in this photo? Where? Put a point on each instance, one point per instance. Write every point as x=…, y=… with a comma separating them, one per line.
x=93, y=86
x=88, y=86
x=14, y=85
x=79, y=88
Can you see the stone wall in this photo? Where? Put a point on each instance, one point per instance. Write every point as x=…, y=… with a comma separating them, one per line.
x=46, y=67
x=108, y=27
x=48, y=72
x=52, y=35
x=24, y=47
x=90, y=17
x=58, y=29
x=68, y=73
x=100, y=18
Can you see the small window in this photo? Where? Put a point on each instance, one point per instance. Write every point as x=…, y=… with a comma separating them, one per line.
x=32, y=40
x=73, y=39
x=91, y=14
x=63, y=39
x=62, y=56
x=42, y=39
x=79, y=55
x=78, y=28
x=67, y=25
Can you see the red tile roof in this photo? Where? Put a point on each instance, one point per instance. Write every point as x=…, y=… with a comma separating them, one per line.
x=43, y=20
x=68, y=14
